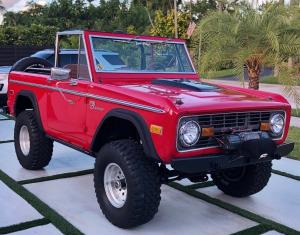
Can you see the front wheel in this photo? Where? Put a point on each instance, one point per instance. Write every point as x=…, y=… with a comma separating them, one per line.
x=127, y=185
x=243, y=181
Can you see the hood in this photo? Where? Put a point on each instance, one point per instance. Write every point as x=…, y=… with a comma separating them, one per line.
x=191, y=96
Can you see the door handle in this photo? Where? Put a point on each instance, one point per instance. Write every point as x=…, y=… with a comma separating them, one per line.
x=63, y=95
x=73, y=83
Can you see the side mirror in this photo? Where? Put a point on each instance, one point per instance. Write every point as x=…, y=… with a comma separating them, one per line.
x=60, y=74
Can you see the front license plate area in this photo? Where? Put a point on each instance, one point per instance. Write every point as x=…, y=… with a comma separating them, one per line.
x=249, y=144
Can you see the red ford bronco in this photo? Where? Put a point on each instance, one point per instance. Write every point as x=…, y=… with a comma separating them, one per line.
x=136, y=104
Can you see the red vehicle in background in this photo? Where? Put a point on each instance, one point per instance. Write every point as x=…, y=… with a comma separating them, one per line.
x=136, y=104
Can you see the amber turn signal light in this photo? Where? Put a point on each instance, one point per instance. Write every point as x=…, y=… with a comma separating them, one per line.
x=207, y=131
x=156, y=129
x=264, y=126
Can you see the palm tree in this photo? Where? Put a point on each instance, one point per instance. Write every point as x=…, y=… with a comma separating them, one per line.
x=248, y=38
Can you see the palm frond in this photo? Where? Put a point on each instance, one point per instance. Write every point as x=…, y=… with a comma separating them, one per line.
x=251, y=37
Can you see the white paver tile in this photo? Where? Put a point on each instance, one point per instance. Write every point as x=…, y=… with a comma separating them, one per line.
x=287, y=165
x=14, y=209
x=185, y=182
x=74, y=198
x=64, y=160
x=272, y=233
x=7, y=130
x=48, y=229
x=278, y=201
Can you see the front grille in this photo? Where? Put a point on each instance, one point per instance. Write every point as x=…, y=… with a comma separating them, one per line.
x=226, y=123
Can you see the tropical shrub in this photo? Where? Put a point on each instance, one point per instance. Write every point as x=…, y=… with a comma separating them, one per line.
x=249, y=38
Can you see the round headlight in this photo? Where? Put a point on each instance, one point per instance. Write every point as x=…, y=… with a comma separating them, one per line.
x=189, y=133
x=277, y=124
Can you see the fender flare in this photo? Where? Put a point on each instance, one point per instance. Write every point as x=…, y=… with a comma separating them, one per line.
x=139, y=124
x=31, y=96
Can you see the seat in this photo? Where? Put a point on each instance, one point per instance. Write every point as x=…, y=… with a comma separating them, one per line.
x=83, y=70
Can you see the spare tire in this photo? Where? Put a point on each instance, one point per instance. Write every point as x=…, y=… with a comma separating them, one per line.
x=30, y=62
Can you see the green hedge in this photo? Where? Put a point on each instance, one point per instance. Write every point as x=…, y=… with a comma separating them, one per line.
x=35, y=35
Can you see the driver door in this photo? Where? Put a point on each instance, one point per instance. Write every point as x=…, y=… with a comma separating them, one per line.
x=66, y=108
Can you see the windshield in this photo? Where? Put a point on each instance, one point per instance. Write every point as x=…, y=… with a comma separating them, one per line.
x=138, y=56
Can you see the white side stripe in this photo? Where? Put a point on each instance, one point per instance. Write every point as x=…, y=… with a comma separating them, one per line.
x=97, y=97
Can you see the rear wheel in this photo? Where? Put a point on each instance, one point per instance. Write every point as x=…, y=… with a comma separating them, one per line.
x=243, y=181
x=127, y=184
x=33, y=148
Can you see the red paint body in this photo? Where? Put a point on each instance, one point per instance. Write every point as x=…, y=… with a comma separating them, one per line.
x=77, y=123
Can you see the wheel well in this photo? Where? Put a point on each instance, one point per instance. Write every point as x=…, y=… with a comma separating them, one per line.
x=114, y=128
x=23, y=103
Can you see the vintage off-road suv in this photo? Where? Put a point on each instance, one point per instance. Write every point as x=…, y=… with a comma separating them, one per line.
x=137, y=105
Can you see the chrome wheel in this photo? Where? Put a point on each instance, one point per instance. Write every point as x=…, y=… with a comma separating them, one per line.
x=24, y=140
x=115, y=185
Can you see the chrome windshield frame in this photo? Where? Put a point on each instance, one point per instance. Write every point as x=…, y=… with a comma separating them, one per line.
x=78, y=33
x=145, y=40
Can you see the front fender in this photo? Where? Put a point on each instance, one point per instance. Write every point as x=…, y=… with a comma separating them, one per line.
x=140, y=126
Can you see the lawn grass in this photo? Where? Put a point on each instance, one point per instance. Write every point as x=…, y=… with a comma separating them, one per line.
x=23, y=226
x=296, y=112
x=258, y=229
x=219, y=74
x=294, y=177
x=55, y=177
x=269, y=80
x=294, y=136
x=272, y=80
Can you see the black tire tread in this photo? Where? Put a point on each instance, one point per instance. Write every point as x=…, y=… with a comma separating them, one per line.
x=41, y=147
x=254, y=180
x=3, y=101
x=22, y=64
x=147, y=179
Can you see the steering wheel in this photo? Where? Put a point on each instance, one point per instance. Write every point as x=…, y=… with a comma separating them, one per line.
x=157, y=66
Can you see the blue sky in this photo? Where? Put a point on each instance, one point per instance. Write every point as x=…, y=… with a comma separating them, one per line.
x=16, y=5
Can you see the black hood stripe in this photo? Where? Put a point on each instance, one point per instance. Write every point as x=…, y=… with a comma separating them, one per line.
x=186, y=84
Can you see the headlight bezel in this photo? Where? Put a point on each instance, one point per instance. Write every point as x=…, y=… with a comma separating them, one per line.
x=272, y=117
x=181, y=139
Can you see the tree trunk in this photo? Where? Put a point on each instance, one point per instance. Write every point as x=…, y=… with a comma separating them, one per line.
x=220, y=5
x=149, y=15
x=290, y=62
x=253, y=69
x=276, y=70
x=253, y=80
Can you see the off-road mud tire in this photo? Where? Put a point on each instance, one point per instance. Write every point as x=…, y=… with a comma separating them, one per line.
x=41, y=147
x=30, y=62
x=254, y=179
x=142, y=179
